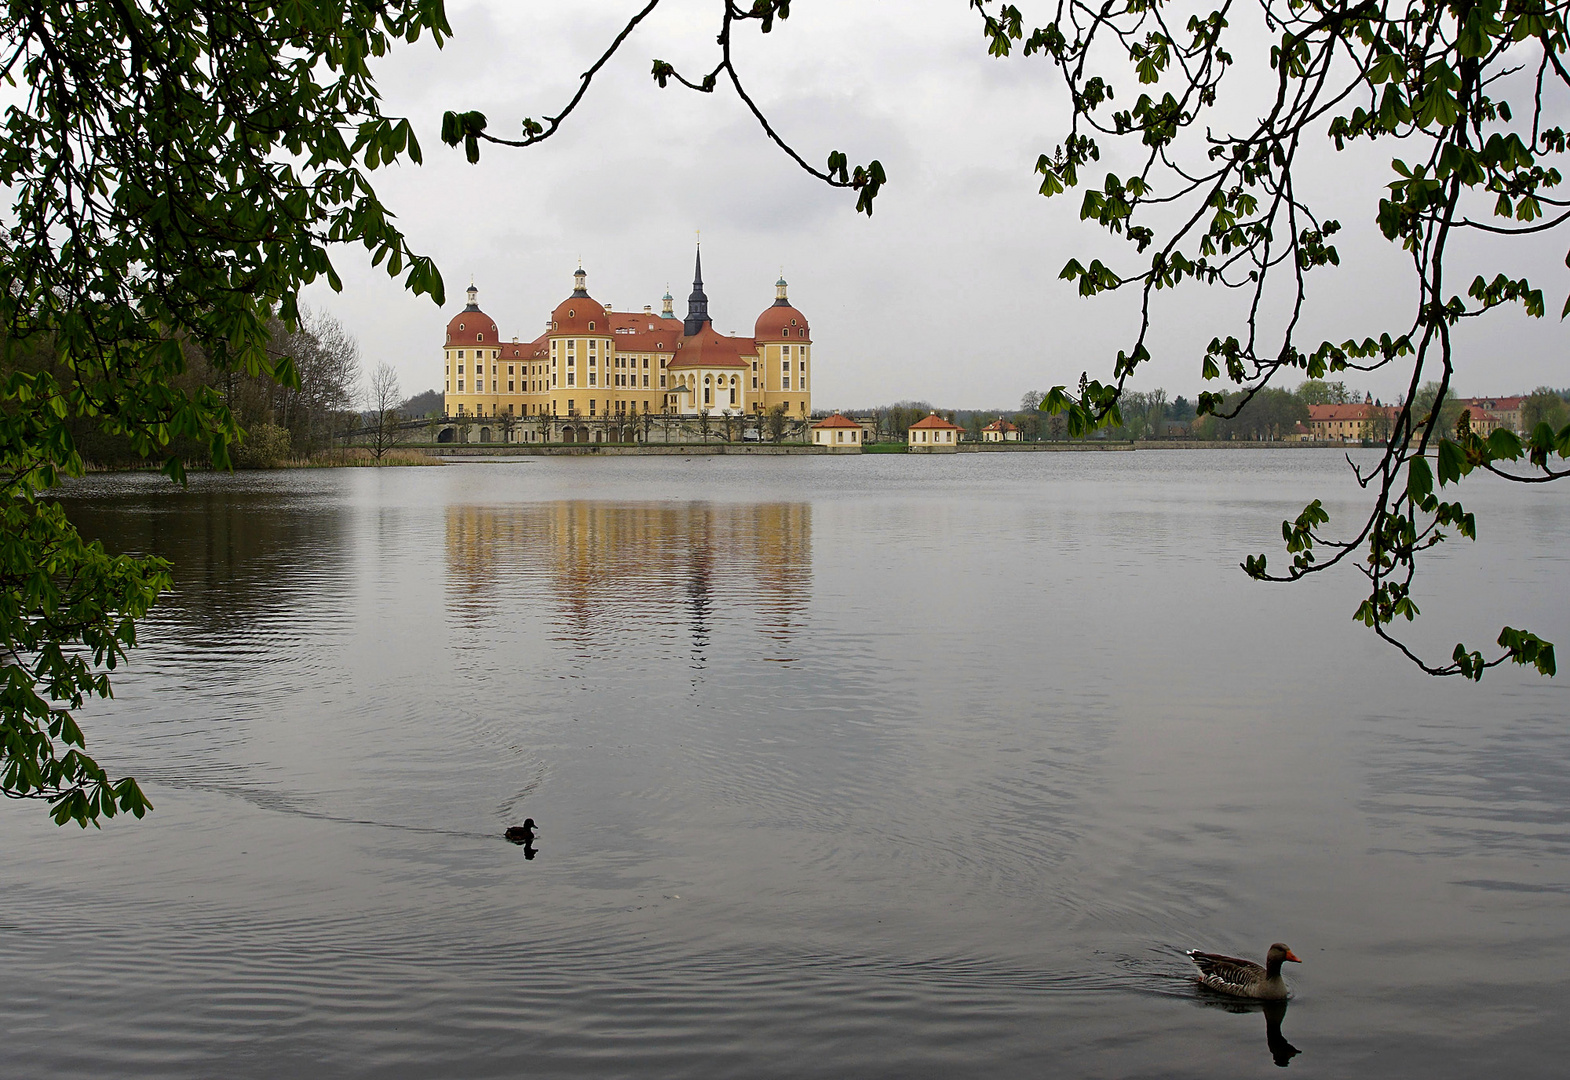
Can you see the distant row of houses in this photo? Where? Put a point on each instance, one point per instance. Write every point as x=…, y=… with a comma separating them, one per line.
x=932, y=434
x=1368, y=420
x=1371, y=421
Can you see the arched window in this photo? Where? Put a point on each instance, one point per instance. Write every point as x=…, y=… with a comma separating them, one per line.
x=591, y=324
x=460, y=326
x=479, y=337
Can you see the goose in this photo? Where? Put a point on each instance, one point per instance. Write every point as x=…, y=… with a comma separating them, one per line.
x=1244, y=978
x=521, y=834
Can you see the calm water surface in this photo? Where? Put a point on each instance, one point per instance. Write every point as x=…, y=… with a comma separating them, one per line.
x=875, y=766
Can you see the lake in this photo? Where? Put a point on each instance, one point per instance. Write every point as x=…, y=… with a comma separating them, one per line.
x=870, y=766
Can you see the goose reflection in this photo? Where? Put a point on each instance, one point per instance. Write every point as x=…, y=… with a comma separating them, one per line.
x=1281, y=1051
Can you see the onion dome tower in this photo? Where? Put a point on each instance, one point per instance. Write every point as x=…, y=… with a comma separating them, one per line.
x=580, y=313
x=668, y=313
x=697, y=302
x=781, y=322
x=471, y=326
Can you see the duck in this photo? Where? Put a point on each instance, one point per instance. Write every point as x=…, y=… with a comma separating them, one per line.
x=521, y=834
x=1244, y=978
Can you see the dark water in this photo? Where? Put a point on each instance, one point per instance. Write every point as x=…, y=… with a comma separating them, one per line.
x=855, y=767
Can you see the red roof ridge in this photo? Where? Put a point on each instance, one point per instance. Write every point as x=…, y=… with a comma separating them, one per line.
x=935, y=421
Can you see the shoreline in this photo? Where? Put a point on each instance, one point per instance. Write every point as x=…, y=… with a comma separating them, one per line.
x=447, y=453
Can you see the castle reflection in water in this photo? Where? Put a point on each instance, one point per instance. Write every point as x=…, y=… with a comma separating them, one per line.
x=606, y=569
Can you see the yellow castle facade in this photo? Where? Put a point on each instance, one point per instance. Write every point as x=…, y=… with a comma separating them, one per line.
x=592, y=362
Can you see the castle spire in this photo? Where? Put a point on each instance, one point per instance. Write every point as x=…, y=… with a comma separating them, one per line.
x=697, y=302
x=780, y=297
x=668, y=312
x=579, y=285
x=474, y=297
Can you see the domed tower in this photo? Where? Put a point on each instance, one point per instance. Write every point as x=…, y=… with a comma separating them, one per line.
x=469, y=354
x=580, y=351
x=784, y=343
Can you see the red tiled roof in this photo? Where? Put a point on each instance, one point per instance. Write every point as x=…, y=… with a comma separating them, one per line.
x=643, y=333
x=526, y=350
x=708, y=348
x=934, y=421
x=574, y=314
x=1000, y=424
x=468, y=327
x=1359, y=411
x=781, y=323
x=836, y=421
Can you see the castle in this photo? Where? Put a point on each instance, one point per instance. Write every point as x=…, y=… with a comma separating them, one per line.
x=592, y=362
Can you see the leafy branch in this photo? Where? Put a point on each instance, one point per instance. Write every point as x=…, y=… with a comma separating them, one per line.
x=469, y=128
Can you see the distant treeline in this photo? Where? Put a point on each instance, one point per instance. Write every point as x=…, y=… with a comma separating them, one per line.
x=279, y=422
x=1151, y=414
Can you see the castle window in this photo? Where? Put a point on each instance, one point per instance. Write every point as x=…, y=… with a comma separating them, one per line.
x=460, y=326
x=511, y=386
x=460, y=369
x=591, y=378
x=479, y=337
x=460, y=386
x=460, y=354
x=793, y=322
x=645, y=383
x=570, y=380
x=510, y=368
x=591, y=327
x=570, y=314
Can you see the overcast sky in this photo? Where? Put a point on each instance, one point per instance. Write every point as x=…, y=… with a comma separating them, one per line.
x=949, y=293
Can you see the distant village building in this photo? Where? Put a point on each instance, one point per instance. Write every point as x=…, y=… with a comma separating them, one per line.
x=603, y=364
x=933, y=435
x=1000, y=430
x=837, y=433
x=1359, y=421
x=1490, y=414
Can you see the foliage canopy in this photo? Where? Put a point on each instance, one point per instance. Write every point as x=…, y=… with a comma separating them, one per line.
x=176, y=173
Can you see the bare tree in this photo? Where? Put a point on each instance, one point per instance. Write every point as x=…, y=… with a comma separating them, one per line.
x=776, y=420
x=382, y=402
